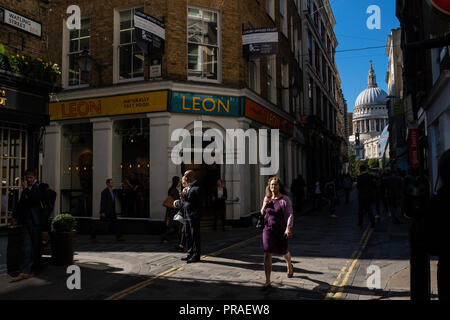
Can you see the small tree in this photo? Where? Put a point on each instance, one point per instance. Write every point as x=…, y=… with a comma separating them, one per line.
x=374, y=163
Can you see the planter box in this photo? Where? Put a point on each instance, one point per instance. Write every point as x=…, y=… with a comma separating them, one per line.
x=63, y=247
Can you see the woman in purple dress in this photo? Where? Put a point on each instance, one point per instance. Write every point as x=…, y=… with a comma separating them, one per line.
x=279, y=219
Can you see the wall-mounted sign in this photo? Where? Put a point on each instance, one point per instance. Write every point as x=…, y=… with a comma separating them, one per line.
x=2, y=97
x=260, y=42
x=149, y=31
x=258, y=113
x=109, y=106
x=398, y=109
x=20, y=22
x=155, y=68
x=205, y=104
x=442, y=5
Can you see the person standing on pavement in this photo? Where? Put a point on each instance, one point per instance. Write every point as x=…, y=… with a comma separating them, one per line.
x=366, y=189
x=219, y=198
x=192, y=210
x=108, y=211
x=395, y=187
x=379, y=193
x=330, y=194
x=279, y=220
x=171, y=225
x=317, y=196
x=347, y=184
x=30, y=215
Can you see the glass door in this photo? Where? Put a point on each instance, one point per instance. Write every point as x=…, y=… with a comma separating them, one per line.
x=13, y=156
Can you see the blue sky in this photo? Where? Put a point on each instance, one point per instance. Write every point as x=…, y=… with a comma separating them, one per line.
x=351, y=33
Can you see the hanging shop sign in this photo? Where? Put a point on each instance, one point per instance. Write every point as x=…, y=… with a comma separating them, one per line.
x=155, y=68
x=260, y=42
x=20, y=22
x=109, y=106
x=150, y=32
x=260, y=114
x=442, y=5
x=3, y=97
x=413, y=138
x=398, y=109
x=205, y=104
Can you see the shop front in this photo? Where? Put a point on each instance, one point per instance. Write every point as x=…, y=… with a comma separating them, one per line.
x=23, y=115
x=135, y=139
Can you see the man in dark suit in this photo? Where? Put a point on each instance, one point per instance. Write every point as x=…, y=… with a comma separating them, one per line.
x=366, y=190
x=192, y=211
x=30, y=215
x=108, y=210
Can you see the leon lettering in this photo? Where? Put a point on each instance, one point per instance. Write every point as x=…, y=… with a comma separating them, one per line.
x=81, y=109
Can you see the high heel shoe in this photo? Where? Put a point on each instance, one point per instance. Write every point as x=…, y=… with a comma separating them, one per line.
x=290, y=275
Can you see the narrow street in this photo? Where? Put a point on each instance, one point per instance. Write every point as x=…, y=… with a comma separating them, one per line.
x=330, y=258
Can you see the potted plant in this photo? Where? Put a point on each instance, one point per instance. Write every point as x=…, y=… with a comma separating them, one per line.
x=62, y=238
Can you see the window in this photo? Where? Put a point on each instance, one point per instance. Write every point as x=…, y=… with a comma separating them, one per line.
x=270, y=8
x=253, y=72
x=203, y=44
x=131, y=57
x=76, y=169
x=79, y=40
x=271, y=79
x=283, y=18
x=13, y=162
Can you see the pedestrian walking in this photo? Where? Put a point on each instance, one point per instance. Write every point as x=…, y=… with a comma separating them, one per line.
x=108, y=212
x=31, y=216
x=179, y=205
x=192, y=211
x=330, y=194
x=172, y=226
x=395, y=188
x=366, y=190
x=317, y=196
x=219, y=198
x=347, y=184
x=279, y=219
x=379, y=193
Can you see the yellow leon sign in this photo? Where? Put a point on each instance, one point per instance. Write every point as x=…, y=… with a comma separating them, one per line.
x=109, y=106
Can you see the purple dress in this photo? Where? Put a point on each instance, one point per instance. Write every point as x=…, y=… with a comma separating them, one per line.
x=279, y=214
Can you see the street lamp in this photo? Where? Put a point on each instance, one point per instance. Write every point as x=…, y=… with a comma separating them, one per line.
x=85, y=63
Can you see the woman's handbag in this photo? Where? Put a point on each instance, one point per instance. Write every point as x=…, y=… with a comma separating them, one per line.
x=168, y=203
x=178, y=217
x=260, y=222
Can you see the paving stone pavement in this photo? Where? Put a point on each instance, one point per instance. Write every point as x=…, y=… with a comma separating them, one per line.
x=233, y=266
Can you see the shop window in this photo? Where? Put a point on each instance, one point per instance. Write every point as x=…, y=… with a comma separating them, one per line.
x=131, y=167
x=203, y=44
x=131, y=57
x=13, y=161
x=285, y=87
x=76, y=167
x=79, y=41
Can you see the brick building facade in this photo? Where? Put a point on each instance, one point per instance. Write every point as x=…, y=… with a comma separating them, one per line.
x=202, y=68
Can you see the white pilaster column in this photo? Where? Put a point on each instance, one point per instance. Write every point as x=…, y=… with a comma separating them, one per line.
x=102, y=159
x=159, y=163
x=51, y=169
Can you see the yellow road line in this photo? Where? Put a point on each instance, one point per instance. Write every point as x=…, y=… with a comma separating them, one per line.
x=141, y=285
x=350, y=265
